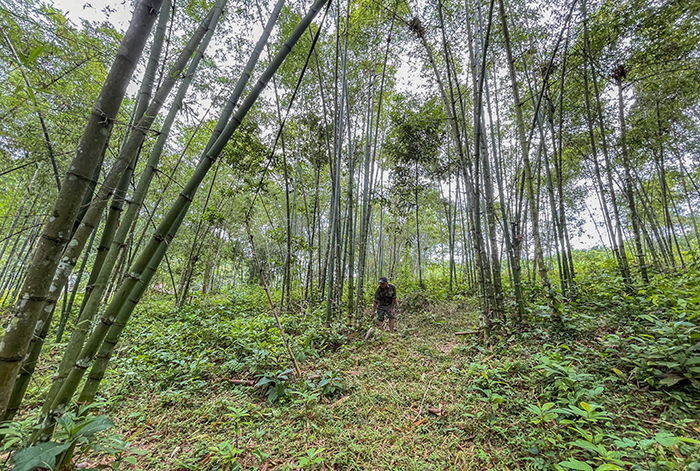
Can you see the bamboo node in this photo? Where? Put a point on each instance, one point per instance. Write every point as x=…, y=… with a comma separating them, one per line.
x=57, y=240
x=13, y=359
x=82, y=177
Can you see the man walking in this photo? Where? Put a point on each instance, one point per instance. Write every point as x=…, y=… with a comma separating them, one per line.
x=384, y=302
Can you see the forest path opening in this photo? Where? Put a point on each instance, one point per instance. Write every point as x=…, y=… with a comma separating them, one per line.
x=401, y=402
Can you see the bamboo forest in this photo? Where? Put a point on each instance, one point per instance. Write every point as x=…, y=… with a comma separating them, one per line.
x=350, y=235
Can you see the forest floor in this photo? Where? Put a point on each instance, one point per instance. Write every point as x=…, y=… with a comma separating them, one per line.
x=580, y=396
x=424, y=399
x=378, y=419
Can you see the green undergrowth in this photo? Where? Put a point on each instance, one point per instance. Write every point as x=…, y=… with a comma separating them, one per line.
x=614, y=386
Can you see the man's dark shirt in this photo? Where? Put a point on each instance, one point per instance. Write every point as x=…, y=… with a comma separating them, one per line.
x=383, y=297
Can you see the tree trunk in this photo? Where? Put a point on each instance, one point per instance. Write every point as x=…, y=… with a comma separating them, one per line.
x=143, y=100
x=619, y=247
x=15, y=342
x=129, y=293
x=94, y=213
x=629, y=185
x=534, y=211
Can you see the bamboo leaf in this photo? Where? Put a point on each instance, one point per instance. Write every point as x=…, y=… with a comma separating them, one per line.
x=670, y=380
x=35, y=53
x=22, y=58
x=608, y=467
x=573, y=463
x=30, y=92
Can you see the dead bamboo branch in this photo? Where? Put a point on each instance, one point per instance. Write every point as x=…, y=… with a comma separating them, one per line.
x=272, y=304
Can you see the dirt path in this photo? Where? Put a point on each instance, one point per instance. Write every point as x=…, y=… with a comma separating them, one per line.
x=401, y=404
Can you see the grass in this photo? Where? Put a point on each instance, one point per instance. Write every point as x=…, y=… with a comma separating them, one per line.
x=381, y=421
x=423, y=399
x=586, y=395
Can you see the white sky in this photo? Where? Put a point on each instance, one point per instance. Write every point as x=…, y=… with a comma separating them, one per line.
x=408, y=77
x=118, y=13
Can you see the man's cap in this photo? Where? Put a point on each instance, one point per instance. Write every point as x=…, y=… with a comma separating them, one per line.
x=383, y=279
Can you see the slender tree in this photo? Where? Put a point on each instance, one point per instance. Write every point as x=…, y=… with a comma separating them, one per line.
x=129, y=294
x=18, y=334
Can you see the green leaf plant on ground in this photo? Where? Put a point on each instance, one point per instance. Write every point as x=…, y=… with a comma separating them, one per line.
x=42, y=455
x=551, y=400
x=76, y=436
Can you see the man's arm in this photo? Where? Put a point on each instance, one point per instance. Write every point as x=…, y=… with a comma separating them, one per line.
x=376, y=297
x=393, y=302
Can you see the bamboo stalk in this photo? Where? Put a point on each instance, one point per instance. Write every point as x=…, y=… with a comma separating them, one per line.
x=94, y=213
x=124, y=301
x=53, y=240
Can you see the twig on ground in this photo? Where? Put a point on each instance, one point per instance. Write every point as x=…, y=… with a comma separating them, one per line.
x=656, y=422
x=339, y=401
x=243, y=382
x=420, y=408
